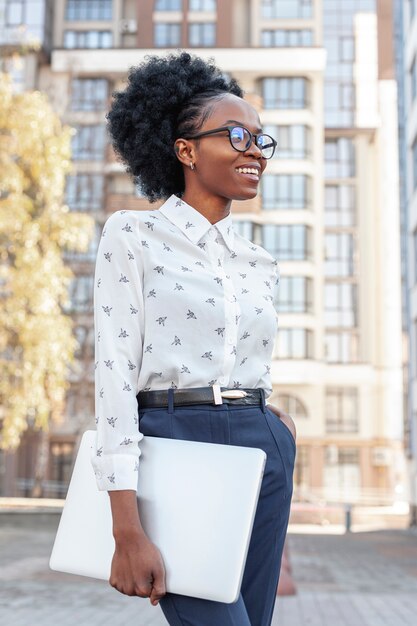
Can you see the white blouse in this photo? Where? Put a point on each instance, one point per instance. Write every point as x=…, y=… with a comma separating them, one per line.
x=178, y=302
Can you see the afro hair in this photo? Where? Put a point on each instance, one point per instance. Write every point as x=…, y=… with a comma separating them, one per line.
x=165, y=98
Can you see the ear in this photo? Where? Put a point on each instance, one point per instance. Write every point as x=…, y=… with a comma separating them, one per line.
x=185, y=151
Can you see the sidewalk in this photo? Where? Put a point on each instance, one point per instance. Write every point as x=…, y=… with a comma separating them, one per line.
x=360, y=579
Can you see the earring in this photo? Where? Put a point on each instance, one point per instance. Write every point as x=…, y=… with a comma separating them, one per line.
x=192, y=165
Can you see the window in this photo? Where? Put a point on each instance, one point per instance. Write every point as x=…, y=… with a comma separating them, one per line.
x=80, y=403
x=415, y=348
x=27, y=14
x=244, y=228
x=84, y=192
x=346, y=49
x=342, y=474
x=168, y=5
x=88, y=39
x=14, y=13
x=285, y=191
x=415, y=255
x=339, y=158
x=89, y=142
x=89, y=94
x=340, y=205
x=202, y=5
x=413, y=80
x=341, y=305
x=166, y=35
x=339, y=102
x=292, y=405
x=287, y=242
x=341, y=347
x=284, y=93
x=294, y=142
x=302, y=480
x=291, y=9
x=85, y=339
x=342, y=410
x=339, y=250
x=24, y=12
x=295, y=295
x=81, y=294
x=82, y=10
x=414, y=155
x=283, y=38
x=294, y=343
x=61, y=460
x=203, y=34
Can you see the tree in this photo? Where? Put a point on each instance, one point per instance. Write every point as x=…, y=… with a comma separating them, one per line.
x=37, y=344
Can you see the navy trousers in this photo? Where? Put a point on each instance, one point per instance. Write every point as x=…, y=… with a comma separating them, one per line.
x=253, y=426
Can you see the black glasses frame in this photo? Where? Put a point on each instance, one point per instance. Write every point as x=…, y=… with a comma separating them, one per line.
x=229, y=129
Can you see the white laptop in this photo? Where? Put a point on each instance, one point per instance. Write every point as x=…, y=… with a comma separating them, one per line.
x=197, y=503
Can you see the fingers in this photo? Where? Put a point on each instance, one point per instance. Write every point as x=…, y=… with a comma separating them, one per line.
x=158, y=588
x=130, y=588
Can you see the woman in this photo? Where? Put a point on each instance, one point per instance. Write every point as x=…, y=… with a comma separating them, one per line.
x=183, y=311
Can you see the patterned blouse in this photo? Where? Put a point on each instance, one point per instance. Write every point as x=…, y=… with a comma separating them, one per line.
x=178, y=302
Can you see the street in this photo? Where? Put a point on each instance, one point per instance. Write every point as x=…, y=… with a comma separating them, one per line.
x=359, y=579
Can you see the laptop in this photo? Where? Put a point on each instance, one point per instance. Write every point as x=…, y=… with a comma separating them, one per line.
x=197, y=503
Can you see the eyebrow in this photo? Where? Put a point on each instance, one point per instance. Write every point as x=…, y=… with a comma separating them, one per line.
x=258, y=130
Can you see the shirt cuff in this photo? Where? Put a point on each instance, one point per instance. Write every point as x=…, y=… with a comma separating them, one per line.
x=118, y=471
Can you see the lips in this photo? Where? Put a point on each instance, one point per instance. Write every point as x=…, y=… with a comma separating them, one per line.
x=248, y=173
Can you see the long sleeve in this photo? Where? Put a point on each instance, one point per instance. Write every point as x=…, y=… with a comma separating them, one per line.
x=275, y=286
x=118, y=327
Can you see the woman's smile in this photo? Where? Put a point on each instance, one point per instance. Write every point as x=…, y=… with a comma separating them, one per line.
x=251, y=173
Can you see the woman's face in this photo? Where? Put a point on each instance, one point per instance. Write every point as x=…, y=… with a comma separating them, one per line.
x=217, y=163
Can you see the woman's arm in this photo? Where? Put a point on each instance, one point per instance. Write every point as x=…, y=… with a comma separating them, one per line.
x=137, y=568
x=118, y=327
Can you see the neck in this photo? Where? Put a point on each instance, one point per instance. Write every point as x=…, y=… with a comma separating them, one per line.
x=214, y=208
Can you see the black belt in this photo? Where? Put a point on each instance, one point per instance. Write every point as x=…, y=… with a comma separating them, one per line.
x=199, y=395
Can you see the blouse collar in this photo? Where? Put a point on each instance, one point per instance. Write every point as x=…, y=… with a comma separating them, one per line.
x=193, y=223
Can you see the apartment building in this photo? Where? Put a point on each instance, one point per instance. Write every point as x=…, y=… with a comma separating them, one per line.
x=328, y=208
x=407, y=73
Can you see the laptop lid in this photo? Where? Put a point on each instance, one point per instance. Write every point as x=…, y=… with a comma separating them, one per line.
x=197, y=503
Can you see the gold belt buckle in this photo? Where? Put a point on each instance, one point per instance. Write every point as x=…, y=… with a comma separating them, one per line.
x=227, y=393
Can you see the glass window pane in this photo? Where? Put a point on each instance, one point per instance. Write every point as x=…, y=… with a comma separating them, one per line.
x=92, y=39
x=286, y=9
x=69, y=39
x=168, y=5
x=202, y=5
x=284, y=93
x=82, y=10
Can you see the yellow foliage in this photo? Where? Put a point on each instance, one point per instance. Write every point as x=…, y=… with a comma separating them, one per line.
x=37, y=344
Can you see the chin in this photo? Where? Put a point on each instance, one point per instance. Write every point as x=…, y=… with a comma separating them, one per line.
x=248, y=195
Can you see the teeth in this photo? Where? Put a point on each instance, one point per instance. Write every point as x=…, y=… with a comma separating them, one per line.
x=247, y=170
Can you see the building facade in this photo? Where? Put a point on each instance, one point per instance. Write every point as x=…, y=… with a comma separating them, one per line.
x=328, y=209
x=407, y=74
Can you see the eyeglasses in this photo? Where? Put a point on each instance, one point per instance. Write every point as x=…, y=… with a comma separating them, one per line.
x=241, y=138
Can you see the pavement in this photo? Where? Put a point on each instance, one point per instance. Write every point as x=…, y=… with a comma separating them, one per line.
x=366, y=578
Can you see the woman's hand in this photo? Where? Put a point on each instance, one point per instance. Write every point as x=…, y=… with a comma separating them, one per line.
x=287, y=419
x=137, y=568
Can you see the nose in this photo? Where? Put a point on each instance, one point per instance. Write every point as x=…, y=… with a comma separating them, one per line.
x=253, y=149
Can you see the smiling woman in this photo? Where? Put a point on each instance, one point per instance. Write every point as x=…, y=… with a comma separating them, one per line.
x=185, y=320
